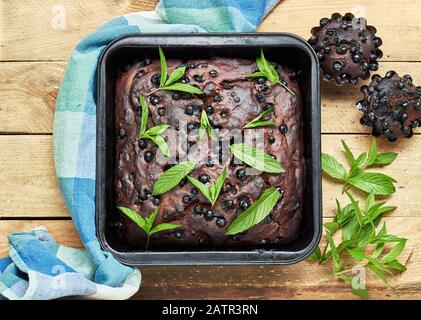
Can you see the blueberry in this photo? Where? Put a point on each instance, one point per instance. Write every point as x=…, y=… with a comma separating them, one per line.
x=213, y=73
x=198, y=209
x=154, y=100
x=269, y=105
x=356, y=57
x=182, y=182
x=192, y=65
x=161, y=111
x=189, y=111
x=209, y=215
x=194, y=191
x=176, y=96
x=191, y=126
x=260, y=97
x=228, y=203
x=237, y=100
x=244, y=203
x=204, y=178
x=143, y=144
x=147, y=61
x=224, y=114
x=209, y=110
x=389, y=74
x=148, y=156
x=241, y=173
x=267, y=220
x=401, y=85
x=365, y=65
x=179, y=235
x=312, y=40
x=374, y=66
x=283, y=128
x=377, y=41
x=122, y=133
x=320, y=56
x=143, y=197
x=261, y=80
x=147, y=190
x=217, y=98
x=156, y=78
x=186, y=199
x=271, y=139
x=324, y=21
x=338, y=65
x=341, y=49
x=197, y=78
x=353, y=81
x=156, y=201
x=221, y=222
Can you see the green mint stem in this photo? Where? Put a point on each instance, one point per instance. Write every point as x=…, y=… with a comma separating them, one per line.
x=153, y=91
x=147, y=242
x=286, y=87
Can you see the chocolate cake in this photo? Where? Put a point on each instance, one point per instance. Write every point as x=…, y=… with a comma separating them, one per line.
x=230, y=101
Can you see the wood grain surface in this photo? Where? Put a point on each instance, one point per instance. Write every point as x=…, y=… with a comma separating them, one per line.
x=36, y=39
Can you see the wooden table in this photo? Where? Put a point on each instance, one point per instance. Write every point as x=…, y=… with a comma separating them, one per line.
x=34, y=49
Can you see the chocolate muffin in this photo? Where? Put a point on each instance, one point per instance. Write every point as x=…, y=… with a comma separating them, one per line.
x=230, y=101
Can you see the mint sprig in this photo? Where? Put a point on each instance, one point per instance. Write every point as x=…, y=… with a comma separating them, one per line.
x=154, y=132
x=146, y=223
x=214, y=190
x=170, y=82
x=205, y=126
x=378, y=183
x=256, y=213
x=258, y=122
x=256, y=158
x=267, y=71
x=172, y=177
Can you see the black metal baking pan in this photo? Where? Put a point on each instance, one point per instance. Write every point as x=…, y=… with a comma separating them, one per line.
x=287, y=48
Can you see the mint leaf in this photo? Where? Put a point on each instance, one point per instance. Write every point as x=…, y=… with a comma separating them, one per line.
x=333, y=167
x=151, y=219
x=136, y=218
x=386, y=158
x=369, y=202
x=357, y=253
x=216, y=187
x=145, y=116
x=395, y=265
x=377, y=183
x=394, y=252
x=256, y=212
x=162, y=145
x=163, y=62
x=205, y=126
x=356, y=208
x=316, y=254
x=256, y=158
x=163, y=227
x=372, y=153
x=267, y=70
x=176, y=75
x=211, y=193
x=349, y=155
x=182, y=87
x=172, y=177
x=257, y=122
x=160, y=129
x=334, y=252
x=362, y=293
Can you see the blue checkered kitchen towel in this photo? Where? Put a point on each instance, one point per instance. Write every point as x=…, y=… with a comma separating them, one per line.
x=38, y=267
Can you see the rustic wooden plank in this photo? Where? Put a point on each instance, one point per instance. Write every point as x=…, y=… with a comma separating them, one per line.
x=32, y=29
x=28, y=183
x=63, y=231
x=305, y=280
x=395, y=21
x=29, y=92
x=49, y=30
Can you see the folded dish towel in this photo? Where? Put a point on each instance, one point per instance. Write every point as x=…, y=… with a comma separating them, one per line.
x=38, y=267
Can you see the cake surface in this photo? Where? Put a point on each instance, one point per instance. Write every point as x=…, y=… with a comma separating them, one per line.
x=231, y=101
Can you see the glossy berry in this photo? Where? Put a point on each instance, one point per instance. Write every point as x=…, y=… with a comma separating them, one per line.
x=143, y=144
x=186, y=199
x=156, y=201
x=122, y=133
x=209, y=215
x=271, y=139
x=204, y=178
x=209, y=110
x=154, y=100
x=269, y=105
x=148, y=156
x=213, y=73
x=283, y=128
x=244, y=203
x=194, y=191
x=241, y=173
x=228, y=203
x=189, y=111
x=197, y=78
x=161, y=111
x=217, y=98
x=198, y=209
x=179, y=235
x=175, y=96
x=221, y=222
x=183, y=182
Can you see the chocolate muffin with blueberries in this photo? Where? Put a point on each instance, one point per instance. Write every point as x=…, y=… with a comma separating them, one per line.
x=347, y=48
x=391, y=106
x=230, y=100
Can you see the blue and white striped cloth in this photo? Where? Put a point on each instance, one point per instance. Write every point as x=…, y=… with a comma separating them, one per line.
x=38, y=267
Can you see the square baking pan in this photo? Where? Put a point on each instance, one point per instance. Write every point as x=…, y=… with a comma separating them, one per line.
x=286, y=48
